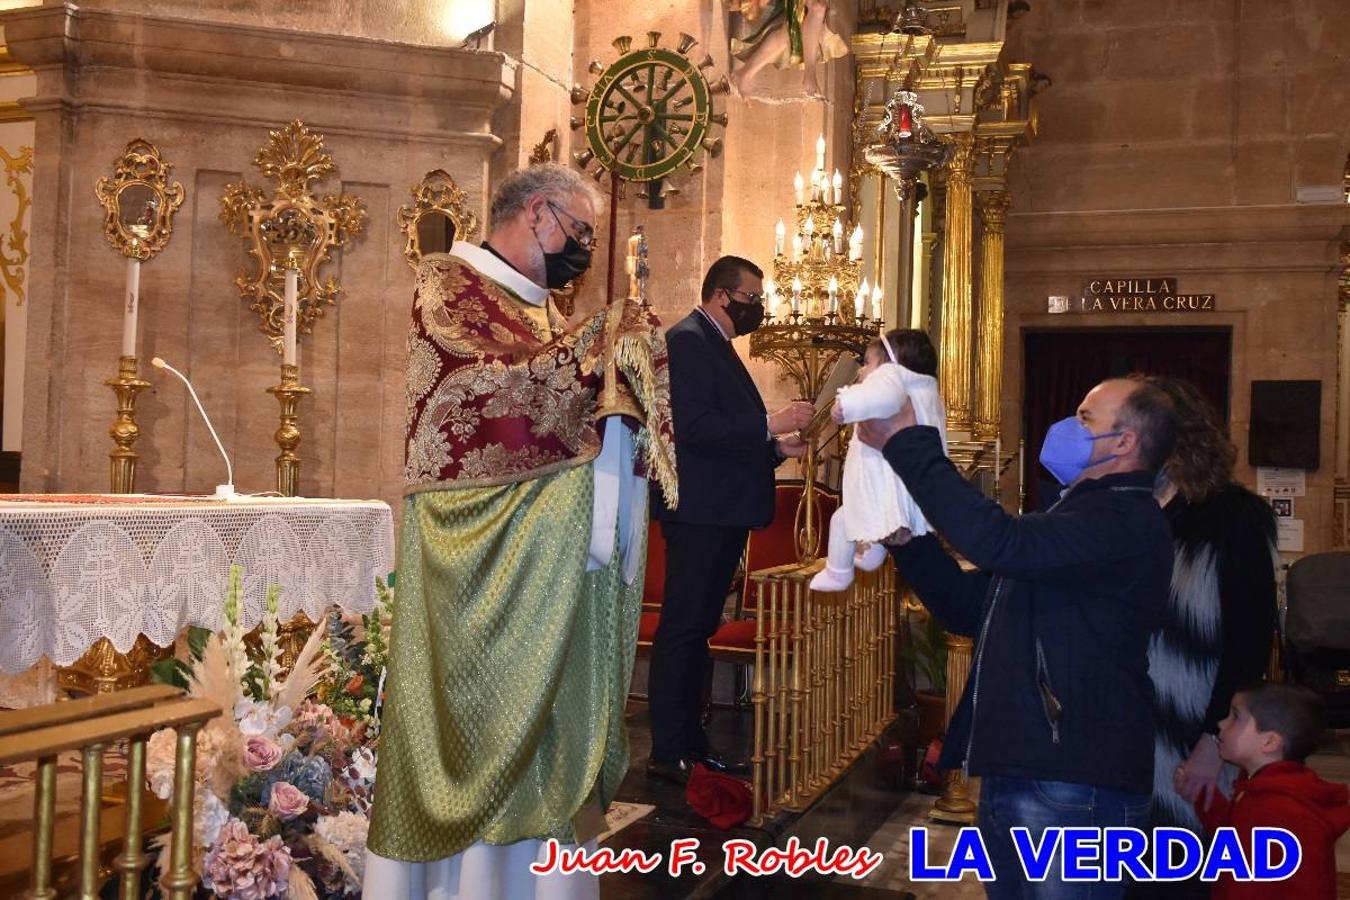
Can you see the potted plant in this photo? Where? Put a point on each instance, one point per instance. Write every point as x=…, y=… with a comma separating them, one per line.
x=926, y=651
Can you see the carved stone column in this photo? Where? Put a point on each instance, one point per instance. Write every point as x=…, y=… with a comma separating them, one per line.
x=956, y=339
x=993, y=206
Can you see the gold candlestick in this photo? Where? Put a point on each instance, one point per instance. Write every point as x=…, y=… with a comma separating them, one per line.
x=124, y=430
x=288, y=394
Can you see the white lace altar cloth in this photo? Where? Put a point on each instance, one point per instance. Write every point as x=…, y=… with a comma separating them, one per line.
x=77, y=568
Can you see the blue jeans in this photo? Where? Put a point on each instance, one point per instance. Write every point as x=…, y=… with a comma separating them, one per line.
x=1035, y=805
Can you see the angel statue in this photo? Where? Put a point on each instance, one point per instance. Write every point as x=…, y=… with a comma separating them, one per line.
x=789, y=33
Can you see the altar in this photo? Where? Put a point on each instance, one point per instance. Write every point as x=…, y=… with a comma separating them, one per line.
x=75, y=569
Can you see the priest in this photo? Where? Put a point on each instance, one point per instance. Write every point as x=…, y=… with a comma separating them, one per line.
x=520, y=558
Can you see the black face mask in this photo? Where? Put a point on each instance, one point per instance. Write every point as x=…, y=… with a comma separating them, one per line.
x=745, y=317
x=561, y=267
x=567, y=264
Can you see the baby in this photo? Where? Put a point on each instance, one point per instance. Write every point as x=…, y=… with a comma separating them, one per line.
x=876, y=506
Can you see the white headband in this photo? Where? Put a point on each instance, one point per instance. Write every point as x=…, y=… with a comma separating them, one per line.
x=889, y=352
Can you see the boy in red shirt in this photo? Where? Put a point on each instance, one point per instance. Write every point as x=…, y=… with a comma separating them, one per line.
x=1269, y=732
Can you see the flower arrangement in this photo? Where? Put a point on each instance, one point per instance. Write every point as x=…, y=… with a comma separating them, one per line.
x=284, y=779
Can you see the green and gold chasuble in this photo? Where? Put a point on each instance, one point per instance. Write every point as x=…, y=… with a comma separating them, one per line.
x=509, y=661
x=509, y=673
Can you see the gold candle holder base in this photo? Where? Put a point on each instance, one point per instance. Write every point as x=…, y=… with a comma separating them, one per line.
x=291, y=637
x=102, y=669
x=124, y=430
x=288, y=394
x=955, y=806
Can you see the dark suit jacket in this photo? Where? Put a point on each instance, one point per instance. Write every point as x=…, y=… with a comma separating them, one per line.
x=723, y=451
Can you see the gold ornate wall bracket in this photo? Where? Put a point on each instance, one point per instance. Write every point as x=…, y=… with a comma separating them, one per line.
x=439, y=216
x=12, y=267
x=546, y=150
x=139, y=202
x=290, y=229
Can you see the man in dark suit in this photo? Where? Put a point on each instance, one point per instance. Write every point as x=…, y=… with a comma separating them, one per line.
x=726, y=449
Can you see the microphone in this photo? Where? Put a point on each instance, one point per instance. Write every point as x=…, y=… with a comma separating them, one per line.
x=223, y=491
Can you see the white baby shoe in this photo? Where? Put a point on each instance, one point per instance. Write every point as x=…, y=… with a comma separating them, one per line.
x=830, y=579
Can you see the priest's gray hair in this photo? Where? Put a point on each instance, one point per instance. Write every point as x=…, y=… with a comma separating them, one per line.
x=550, y=179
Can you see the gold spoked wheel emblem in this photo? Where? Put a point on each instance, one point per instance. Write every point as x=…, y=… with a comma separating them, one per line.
x=650, y=112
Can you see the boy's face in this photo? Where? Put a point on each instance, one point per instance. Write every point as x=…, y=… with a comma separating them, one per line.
x=1242, y=743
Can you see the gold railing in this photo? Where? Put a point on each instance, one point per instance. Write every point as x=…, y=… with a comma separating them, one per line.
x=824, y=680
x=92, y=725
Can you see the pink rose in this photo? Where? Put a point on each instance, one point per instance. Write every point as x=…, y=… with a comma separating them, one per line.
x=261, y=754
x=287, y=801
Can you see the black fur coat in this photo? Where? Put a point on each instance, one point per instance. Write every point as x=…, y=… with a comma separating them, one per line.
x=1216, y=636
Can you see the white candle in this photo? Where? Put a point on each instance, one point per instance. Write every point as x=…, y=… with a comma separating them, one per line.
x=834, y=295
x=771, y=296
x=855, y=243
x=838, y=188
x=860, y=300
x=815, y=185
x=874, y=309
x=837, y=232
x=820, y=152
x=809, y=229
x=796, y=294
x=796, y=248
x=288, y=317
x=779, y=235
x=630, y=260
x=798, y=186
x=130, y=306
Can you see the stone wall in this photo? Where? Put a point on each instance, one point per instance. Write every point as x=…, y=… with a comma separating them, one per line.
x=1202, y=139
x=729, y=207
x=206, y=82
x=440, y=23
x=207, y=94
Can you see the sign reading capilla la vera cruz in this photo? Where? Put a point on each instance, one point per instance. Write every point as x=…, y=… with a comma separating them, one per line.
x=1132, y=294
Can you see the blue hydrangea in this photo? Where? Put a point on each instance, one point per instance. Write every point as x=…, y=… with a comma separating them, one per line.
x=311, y=774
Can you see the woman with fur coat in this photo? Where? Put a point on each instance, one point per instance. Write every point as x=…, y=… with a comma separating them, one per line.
x=1219, y=624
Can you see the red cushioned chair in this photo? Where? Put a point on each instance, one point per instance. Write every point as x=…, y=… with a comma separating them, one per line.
x=725, y=645
x=777, y=544
x=653, y=588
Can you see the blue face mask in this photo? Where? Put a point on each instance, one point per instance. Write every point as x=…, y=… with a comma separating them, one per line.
x=1067, y=449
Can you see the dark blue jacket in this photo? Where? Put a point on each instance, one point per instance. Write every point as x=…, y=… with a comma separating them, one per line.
x=1061, y=607
x=723, y=452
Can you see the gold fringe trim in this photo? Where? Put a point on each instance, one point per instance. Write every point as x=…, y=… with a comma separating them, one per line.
x=636, y=356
